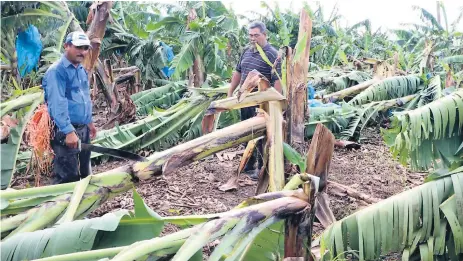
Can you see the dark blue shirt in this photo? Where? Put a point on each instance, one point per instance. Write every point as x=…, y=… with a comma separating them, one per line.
x=251, y=60
x=67, y=94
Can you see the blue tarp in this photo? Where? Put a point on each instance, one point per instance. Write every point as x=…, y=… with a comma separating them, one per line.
x=317, y=103
x=310, y=91
x=28, y=47
x=170, y=56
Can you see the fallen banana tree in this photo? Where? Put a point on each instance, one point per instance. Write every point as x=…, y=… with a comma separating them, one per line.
x=37, y=208
x=347, y=120
x=429, y=136
x=106, y=236
x=21, y=110
x=424, y=223
x=160, y=130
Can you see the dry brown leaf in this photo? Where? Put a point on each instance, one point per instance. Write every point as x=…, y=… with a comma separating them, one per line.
x=231, y=184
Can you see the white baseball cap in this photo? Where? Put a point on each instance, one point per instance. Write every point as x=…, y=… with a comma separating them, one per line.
x=78, y=39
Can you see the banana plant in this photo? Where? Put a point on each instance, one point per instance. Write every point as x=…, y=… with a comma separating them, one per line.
x=423, y=223
x=394, y=87
x=429, y=136
x=106, y=236
x=21, y=113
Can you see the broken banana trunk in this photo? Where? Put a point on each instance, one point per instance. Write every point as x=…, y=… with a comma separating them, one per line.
x=40, y=207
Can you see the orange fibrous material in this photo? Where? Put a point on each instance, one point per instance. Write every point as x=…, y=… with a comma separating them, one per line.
x=39, y=133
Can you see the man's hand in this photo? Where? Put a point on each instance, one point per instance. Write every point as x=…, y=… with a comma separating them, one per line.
x=234, y=83
x=92, y=128
x=72, y=140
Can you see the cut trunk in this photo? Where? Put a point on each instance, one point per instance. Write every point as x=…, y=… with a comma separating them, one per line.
x=318, y=163
x=320, y=154
x=298, y=84
x=54, y=199
x=252, y=99
x=97, y=17
x=167, y=161
x=298, y=227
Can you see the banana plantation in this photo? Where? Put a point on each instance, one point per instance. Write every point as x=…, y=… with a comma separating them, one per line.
x=362, y=148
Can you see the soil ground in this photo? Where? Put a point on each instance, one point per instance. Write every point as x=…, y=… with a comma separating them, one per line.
x=193, y=189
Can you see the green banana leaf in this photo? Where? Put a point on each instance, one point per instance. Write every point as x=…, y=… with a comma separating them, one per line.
x=107, y=233
x=413, y=221
x=9, y=150
x=429, y=136
x=390, y=88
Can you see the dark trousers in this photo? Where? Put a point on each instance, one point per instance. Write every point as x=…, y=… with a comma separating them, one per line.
x=70, y=165
x=247, y=113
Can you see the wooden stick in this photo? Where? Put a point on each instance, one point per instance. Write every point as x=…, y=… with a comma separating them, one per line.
x=340, y=189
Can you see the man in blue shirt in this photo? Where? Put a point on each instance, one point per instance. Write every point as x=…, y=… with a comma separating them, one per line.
x=67, y=95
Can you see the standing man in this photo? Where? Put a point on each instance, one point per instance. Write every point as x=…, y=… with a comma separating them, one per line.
x=67, y=95
x=252, y=60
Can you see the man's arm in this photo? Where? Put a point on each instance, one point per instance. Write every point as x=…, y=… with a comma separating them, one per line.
x=58, y=105
x=56, y=100
x=277, y=86
x=234, y=83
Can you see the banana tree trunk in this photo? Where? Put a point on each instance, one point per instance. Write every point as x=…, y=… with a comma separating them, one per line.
x=275, y=141
x=167, y=161
x=97, y=17
x=39, y=207
x=318, y=163
x=335, y=96
x=198, y=71
x=104, y=83
x=298, y=85
x=299, y=227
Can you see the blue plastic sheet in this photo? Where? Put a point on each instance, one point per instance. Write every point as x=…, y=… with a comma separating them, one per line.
x=28, y=47
x=317, y=103
x=310, y=91
x=170, y=56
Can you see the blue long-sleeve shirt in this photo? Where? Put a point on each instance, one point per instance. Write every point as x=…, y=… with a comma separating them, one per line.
x=67, y=94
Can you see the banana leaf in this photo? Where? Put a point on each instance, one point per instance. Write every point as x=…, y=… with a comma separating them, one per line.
x=107, y=234
x=453, y=59
x=412, y=221
x=162, y=97
x=345, y=81
x=9, y=150
x=429, y=136
x=390, y=88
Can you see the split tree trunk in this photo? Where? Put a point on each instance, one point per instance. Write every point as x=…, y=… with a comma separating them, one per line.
x=97, y=16
x=298, y=227
x=297, y=90
x=167, y=161
x=318, y=163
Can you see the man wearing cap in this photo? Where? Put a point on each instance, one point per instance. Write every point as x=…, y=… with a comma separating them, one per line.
x=67, y=95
